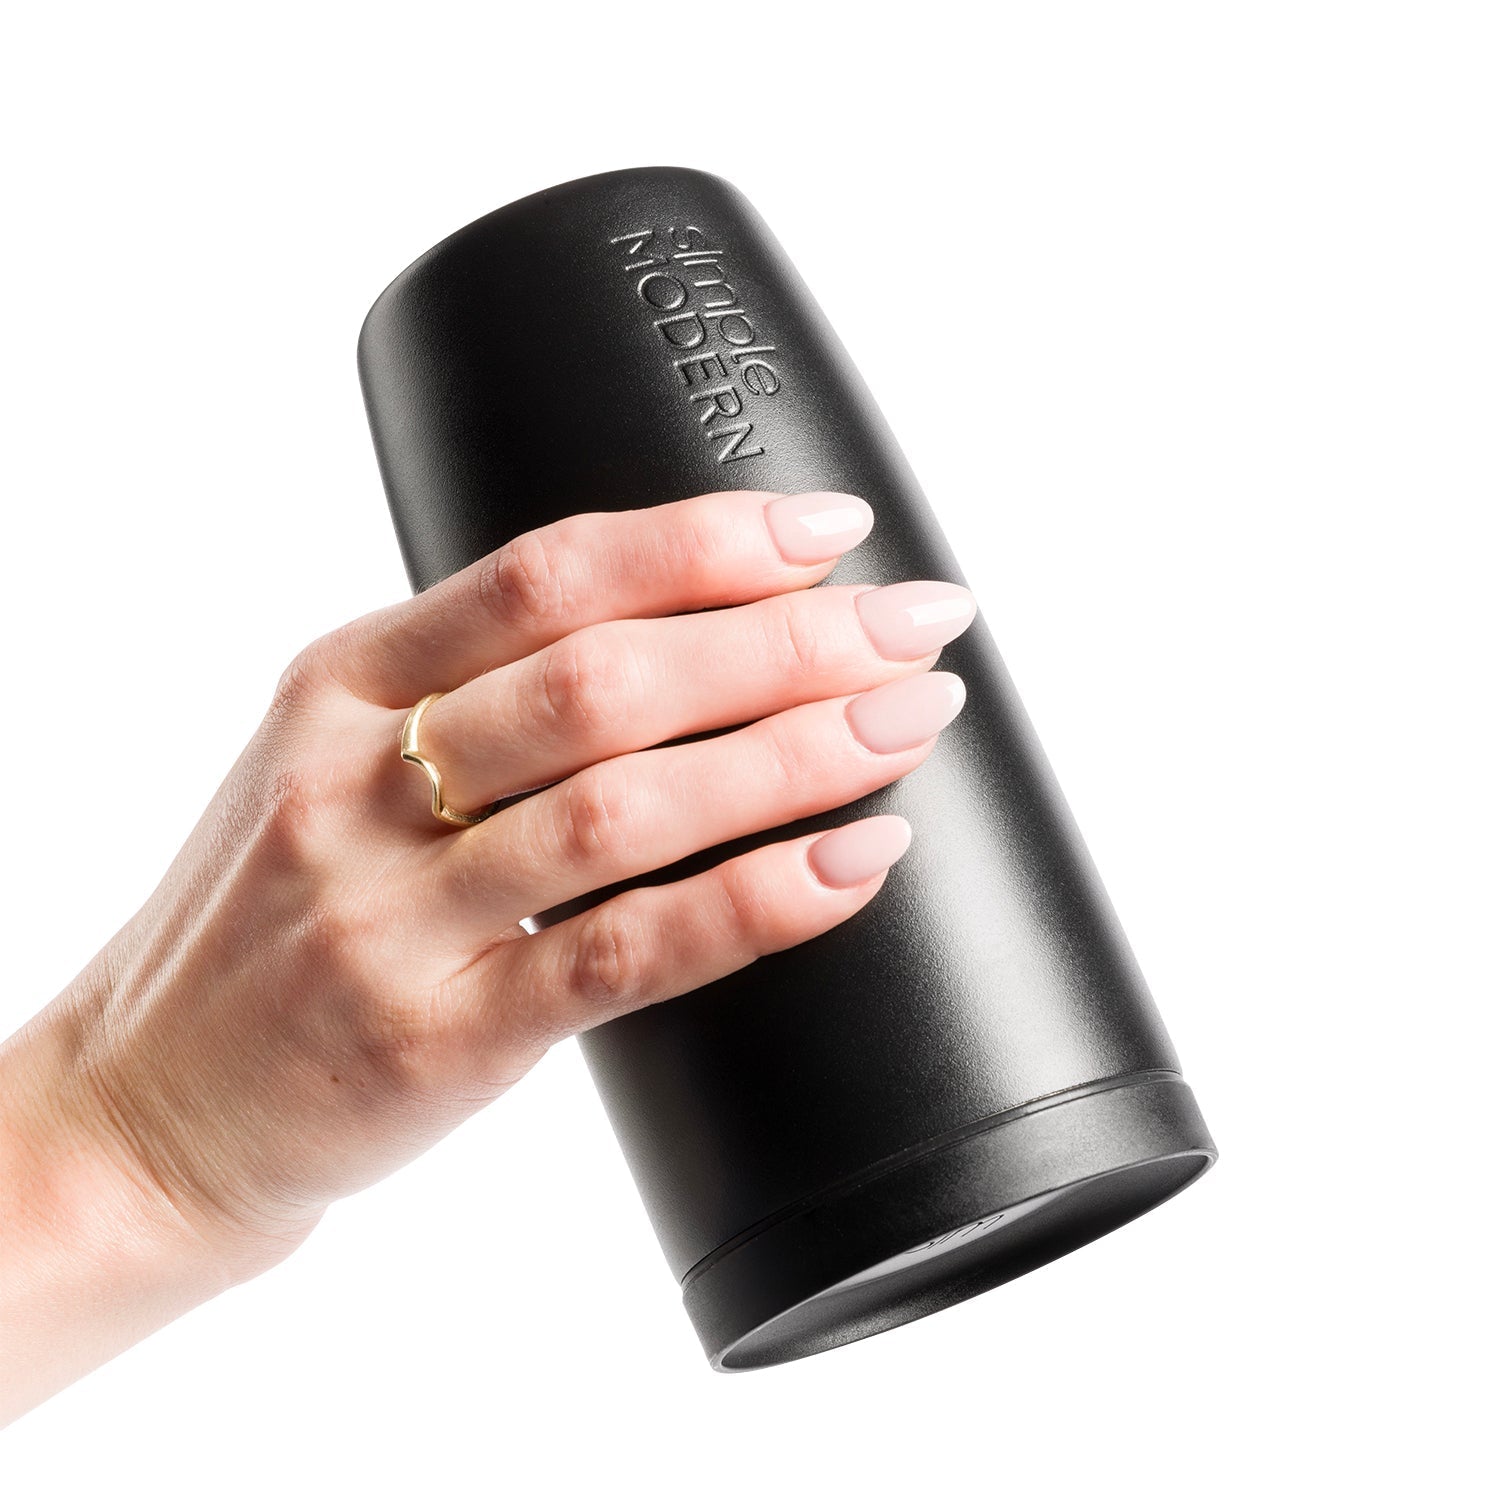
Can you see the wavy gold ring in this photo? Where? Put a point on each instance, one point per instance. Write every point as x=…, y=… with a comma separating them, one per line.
x=409, y=751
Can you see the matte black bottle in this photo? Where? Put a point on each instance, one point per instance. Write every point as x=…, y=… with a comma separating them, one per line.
x=967, y=1078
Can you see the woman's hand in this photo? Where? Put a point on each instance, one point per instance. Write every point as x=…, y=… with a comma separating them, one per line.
x=328, y=979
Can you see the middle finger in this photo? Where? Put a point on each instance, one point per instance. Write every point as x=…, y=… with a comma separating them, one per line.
x=623, y=685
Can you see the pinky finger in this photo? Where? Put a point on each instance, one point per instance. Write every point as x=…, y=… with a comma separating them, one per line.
x=653, y=942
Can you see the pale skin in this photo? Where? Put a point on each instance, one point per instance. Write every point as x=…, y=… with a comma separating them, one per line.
x=328, y=979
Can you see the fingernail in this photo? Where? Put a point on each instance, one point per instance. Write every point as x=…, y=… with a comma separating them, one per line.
x=905, y=620
x=819, y=525
x=899, y=715
x=857, y=851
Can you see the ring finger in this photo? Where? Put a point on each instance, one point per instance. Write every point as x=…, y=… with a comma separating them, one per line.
x=638, y=812
x=623, y=685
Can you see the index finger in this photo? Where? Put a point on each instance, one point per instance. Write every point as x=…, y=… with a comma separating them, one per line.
x=726, y=547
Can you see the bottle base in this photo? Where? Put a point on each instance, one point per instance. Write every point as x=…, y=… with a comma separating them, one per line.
x=941, y=1224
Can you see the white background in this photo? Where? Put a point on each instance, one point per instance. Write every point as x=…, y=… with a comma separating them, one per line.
x=1189, y=318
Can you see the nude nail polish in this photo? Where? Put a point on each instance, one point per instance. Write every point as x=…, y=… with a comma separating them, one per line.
x=906, y=620
x=818, y=525
x=856, y=851
x=901, y=715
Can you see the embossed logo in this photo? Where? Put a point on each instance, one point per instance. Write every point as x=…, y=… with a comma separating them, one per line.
x=706, y=332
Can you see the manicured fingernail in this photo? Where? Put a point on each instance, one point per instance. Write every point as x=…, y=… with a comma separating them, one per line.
x=855, y=852
x=905, y=620
x=899, y=715
x=814, y=527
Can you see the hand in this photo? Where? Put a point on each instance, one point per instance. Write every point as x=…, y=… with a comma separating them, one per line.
x=328, y=978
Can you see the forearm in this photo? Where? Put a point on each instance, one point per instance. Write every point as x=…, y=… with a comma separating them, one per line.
x=92, y=1257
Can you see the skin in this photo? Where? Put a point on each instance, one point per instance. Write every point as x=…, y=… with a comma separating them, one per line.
x=328, y=979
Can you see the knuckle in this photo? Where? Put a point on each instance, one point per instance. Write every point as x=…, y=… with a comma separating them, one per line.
x=749, y=920
x=590, y=680
x=300, y=809
x=401, y=1040
x=793, y=766
x=796, y=644
x=305, y=676
x=608, y=967
x=393, y=1029
x=526, y=579
x=697, y=548
x=596, y=818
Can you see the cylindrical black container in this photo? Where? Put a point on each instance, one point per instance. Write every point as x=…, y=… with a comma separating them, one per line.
x=967, y=1078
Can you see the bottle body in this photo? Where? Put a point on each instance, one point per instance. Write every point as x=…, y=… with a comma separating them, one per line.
x=969, y=1076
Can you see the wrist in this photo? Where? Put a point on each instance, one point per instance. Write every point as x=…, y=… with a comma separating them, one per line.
x=94, y=1255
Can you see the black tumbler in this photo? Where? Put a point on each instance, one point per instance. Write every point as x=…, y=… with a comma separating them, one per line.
x=966, y=1079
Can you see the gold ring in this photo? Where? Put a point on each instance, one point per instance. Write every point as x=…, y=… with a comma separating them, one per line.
x=409, y=751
